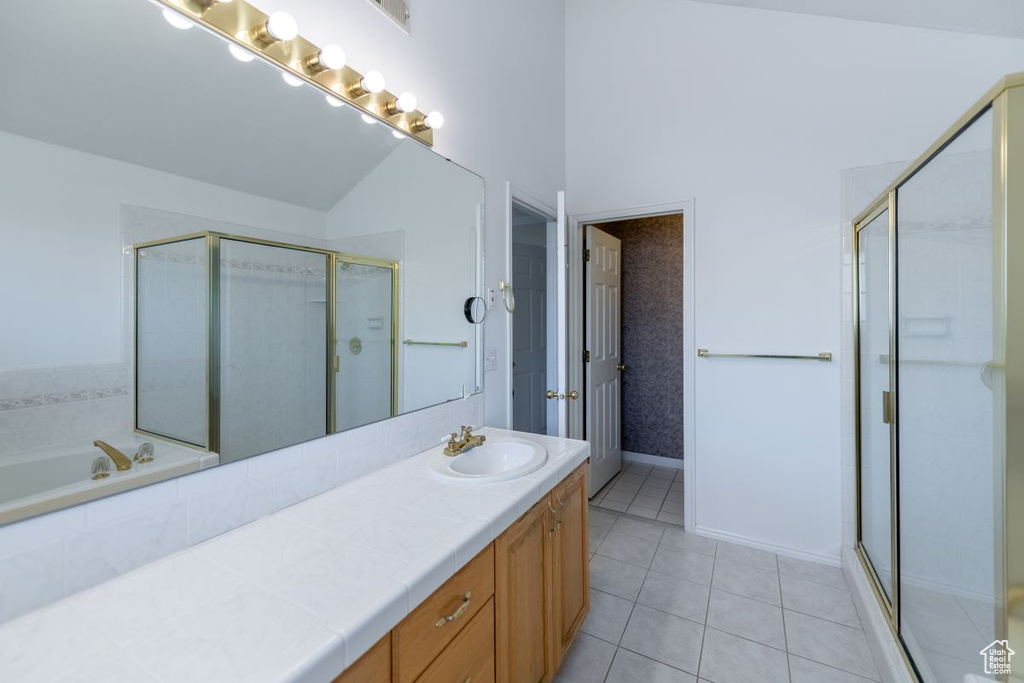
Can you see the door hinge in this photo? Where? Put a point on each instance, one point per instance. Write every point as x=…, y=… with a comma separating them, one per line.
x=586, y=356
x=586, y=255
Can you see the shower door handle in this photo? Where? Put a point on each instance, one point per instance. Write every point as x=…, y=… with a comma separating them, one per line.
x=887, y=407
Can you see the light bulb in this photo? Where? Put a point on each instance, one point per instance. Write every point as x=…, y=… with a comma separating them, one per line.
x=397, y=135
x=372, y=82
x=406, y=102
x=434, y=120
x=282, y=26
x=291, y=80
x=241, y=54
x=177, y=21
x=334, y=101
x=369, y=119
x=331, y=57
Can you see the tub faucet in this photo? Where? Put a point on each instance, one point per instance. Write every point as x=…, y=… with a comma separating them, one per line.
x=121, y=461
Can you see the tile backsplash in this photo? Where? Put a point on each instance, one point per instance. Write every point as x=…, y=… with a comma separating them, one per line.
x=47, y=558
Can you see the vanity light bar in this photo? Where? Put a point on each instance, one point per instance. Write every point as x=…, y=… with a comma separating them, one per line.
x=275, y=37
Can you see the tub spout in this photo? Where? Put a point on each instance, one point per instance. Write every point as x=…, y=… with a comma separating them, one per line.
x=121, y=461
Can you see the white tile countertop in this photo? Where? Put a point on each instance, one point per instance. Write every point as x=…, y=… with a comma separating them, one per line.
x=296, y=596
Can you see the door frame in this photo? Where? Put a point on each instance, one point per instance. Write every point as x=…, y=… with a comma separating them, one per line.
x=514, y=195
x=577, y=225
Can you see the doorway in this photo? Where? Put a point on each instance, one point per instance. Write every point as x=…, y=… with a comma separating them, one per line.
x=534, y=324
x=634, y=315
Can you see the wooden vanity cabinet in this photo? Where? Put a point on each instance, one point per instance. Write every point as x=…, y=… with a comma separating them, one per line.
x=510, y=615
x=524, y=597
x=542, y=584
x=373, y=667
x=571, y=563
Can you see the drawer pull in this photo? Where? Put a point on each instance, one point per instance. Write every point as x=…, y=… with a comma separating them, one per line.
x=457, y=613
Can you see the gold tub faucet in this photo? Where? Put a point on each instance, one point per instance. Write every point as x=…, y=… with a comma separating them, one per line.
x=121, y=461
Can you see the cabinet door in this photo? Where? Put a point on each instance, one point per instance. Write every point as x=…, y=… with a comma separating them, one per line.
x=373, y=667
x=571, y=568
x=524, y=597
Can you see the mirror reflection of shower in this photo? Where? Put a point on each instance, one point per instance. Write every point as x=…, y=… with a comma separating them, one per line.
x=366, y=375
x=277, y=345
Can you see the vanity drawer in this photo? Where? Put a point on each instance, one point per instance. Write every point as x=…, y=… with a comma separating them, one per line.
x=470, y=657
x=419, y=639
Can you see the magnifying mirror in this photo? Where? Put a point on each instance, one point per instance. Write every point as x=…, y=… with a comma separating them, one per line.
x=475, y=310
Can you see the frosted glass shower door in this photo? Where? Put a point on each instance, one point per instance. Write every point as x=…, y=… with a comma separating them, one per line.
x=875, y=391
x=273, y=348
x=949, y=603
x=171, y=312
x=364, y=322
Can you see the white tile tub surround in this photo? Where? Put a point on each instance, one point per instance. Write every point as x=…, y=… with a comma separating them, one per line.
x=298, y=595
x=47, y=558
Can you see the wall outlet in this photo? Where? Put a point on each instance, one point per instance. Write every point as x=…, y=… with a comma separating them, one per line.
x=490, y=360
x=492, y=298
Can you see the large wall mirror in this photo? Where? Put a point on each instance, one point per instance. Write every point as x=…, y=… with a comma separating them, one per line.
x=200, y=262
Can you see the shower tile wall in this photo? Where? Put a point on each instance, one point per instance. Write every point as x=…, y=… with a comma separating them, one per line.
x=652, y=334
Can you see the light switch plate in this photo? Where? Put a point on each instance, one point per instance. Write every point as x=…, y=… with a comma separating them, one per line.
x=490, y=360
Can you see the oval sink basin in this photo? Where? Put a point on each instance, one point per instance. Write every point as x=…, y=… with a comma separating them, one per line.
x=498, y=459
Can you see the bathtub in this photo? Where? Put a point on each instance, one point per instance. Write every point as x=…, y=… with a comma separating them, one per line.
x=41, y=480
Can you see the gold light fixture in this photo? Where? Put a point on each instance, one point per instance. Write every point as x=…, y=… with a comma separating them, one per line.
x=371, y=83
x=275, y=38
x=329, y=57
x=431, y=121
x=403, y=104
x=279, y=26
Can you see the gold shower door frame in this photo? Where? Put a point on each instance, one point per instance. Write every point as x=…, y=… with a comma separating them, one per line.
x=1005, y=100
x=213, y=330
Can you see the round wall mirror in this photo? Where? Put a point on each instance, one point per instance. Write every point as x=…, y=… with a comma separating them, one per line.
x=475, y=309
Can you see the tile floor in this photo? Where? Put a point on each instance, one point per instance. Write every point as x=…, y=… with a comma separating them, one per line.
x=671, y=607
x=644, y=491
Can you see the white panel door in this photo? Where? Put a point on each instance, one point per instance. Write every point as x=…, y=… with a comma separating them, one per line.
x=529, y=339
x=604, y=328
x=562, y=317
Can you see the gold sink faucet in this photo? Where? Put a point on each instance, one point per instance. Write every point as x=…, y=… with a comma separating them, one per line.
x=457, y=444
x=121, y=461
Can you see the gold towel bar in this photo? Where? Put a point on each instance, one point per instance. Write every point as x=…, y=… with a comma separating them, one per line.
x=410, y=342
x=824, y=356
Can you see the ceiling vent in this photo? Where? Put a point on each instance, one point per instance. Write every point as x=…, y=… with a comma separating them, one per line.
x=396, y=10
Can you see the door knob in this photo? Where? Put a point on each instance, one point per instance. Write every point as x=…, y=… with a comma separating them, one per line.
x=573, y=395
x=551, y=394
x=622, y=367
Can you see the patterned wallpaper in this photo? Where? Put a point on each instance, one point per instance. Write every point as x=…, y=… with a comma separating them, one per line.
x=652, y=334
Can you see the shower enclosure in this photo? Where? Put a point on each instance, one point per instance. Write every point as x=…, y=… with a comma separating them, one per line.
x=237, y=342
x=939, y=358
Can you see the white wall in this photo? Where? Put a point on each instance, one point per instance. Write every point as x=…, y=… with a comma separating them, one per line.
x=759, y=112
x=496, y=71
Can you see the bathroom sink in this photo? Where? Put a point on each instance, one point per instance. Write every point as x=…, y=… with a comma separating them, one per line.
x=497, y=459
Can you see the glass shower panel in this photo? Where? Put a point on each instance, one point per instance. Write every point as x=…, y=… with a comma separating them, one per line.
x=171, y=309
x=948, y=599
x=875, y=442
x=366, y=344
x=273, y=350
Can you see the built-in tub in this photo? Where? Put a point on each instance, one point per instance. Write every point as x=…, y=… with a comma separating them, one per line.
x=45, y=479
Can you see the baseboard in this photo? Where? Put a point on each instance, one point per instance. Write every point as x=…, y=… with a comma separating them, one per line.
x=831, y=560
x=655, y=460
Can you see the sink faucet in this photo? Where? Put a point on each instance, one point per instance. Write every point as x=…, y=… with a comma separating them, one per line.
x=121, y=461
x=464, y=443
